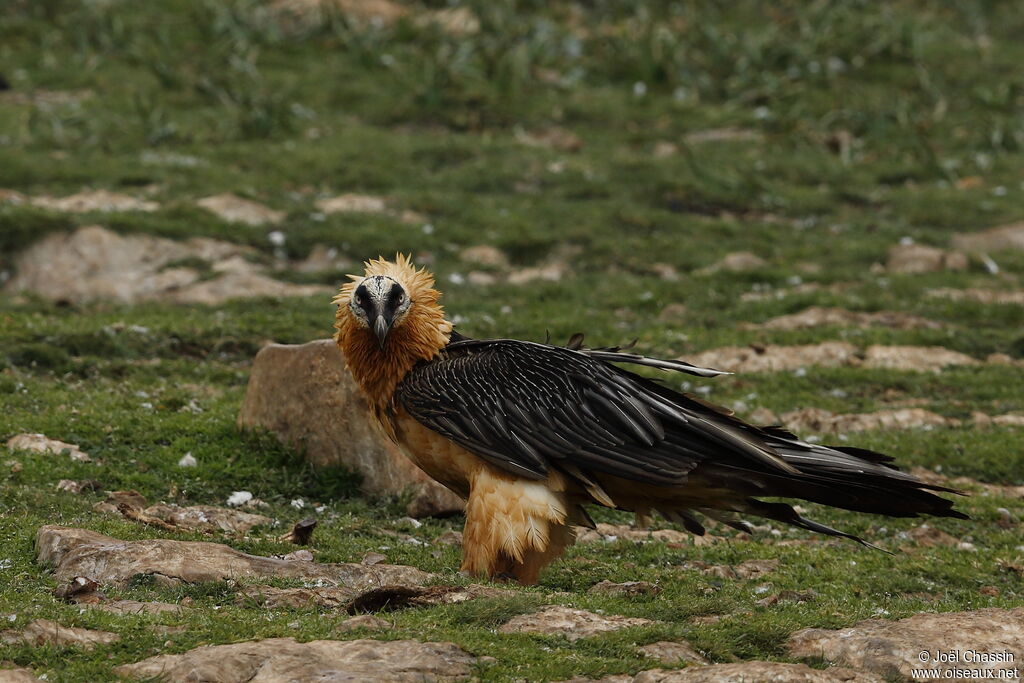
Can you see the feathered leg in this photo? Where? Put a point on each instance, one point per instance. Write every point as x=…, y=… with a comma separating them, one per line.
x=514, y=527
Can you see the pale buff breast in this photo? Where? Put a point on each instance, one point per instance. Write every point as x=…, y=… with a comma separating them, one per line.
x=441, y=458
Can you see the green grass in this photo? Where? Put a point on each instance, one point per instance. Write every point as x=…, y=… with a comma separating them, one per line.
x=868, y=123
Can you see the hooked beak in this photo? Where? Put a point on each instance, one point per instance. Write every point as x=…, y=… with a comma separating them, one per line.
x=381, y=326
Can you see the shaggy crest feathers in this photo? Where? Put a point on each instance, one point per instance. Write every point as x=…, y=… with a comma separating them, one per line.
x=418, y=336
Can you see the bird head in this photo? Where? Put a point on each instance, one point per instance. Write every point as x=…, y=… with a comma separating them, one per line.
x=391, y=306
x=378, y=303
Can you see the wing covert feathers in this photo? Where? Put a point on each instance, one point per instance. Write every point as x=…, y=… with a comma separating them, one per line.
x=629, y=442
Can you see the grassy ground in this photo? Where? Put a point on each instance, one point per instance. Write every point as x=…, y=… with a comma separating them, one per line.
x=867, y=123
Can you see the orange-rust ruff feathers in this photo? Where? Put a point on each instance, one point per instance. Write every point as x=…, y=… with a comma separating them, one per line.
x=527, y=433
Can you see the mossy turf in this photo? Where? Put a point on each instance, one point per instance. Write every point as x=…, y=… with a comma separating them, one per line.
x=863, y=124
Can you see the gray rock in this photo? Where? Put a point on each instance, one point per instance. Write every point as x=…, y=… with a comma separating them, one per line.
x=282, y=660
x=80, y=552
x=305, y=395
x=673, y=652
x=894, y=648
x=759, y=672
x=46, y=632
x=571, y=623
x=95, y=263
x=18, y=676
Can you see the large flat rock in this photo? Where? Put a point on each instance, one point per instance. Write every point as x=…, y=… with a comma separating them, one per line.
x=96, y=263
x=107, y=560
x=283, y=660
x=18, y=676
x=756, y=672
x=46, y=632
x=571, y=623
x=305, y=395
x=983, y=639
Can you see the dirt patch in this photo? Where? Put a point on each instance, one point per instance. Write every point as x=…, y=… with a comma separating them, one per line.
x=818, y=316
x=284, y=659
x=893, y=648
x=819, y=421
x=79, y=552
x=571, y=623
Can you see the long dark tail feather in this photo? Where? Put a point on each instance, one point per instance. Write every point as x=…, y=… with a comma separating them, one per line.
x=781, y=512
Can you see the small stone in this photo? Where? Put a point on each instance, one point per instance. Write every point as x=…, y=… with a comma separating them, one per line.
x=188, y=460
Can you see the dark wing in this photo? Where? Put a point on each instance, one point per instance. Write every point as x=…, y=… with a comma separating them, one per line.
x=526, y=407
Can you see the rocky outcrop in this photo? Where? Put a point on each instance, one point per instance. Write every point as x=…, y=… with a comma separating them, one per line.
x=279, y=660
x=773, y=358
x=18, y=676
x=307, y=398
x=994, y=239
x=571, y=623
x=986, y=639
x=95, y=263
x=762, y=672
x=107, y=560
x=46, y=632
